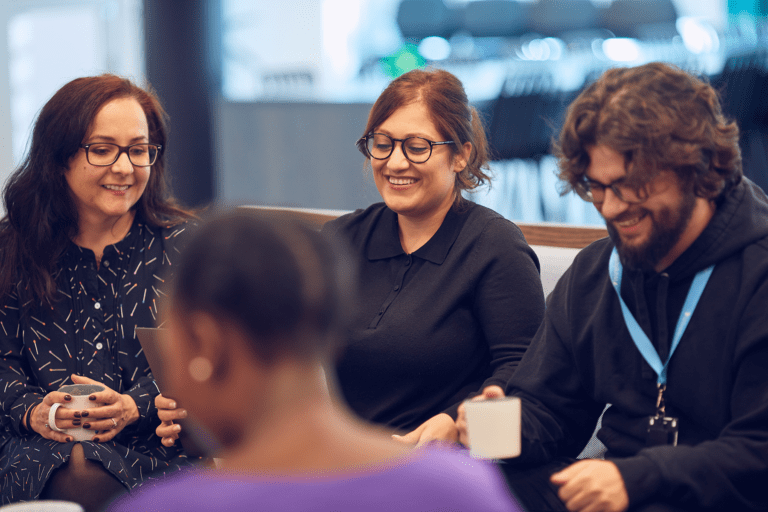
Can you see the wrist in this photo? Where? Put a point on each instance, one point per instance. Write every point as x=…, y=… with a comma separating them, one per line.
x=130, y=410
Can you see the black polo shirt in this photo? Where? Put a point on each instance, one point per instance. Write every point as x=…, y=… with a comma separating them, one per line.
x=433, y=327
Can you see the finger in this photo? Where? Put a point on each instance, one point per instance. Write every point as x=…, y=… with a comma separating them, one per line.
x=162, y=402
x=108, y=396
x=493, y=392
x=168, y=431
x=106, y=435
x=410, y=439
x=79, y=379
x=56, y=397
x=168, y=441
x=105, y=411
x=562, y=476
x=104, y=424
x=171, y=414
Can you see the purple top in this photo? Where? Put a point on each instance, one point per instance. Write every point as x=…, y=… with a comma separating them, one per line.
x=429, y=479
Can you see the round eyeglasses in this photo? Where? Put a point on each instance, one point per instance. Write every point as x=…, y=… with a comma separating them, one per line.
x=380, y=147
x=106, y=153
x=594, y=191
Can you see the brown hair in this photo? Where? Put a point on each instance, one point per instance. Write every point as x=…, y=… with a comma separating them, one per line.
x=450, y=112
x=41, y=216
x=659, y=118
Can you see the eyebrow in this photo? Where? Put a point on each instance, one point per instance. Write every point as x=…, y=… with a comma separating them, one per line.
x=409, y=135
x=107, y=138
x=614, y=182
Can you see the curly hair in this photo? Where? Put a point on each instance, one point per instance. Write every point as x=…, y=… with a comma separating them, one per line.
x=42, y=217
x=450, y=112
x=659, y=118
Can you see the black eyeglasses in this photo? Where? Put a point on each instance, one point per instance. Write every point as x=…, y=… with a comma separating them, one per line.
x=594, y=191
x=380, y=147
x=106, y=153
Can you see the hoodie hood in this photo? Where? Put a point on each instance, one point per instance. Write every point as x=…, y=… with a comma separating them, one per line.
x=741, y=219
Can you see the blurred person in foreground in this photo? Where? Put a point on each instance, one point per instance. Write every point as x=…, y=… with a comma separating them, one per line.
x=665, y=320
x=90, y=225
x=255, y=310
x=450, y=293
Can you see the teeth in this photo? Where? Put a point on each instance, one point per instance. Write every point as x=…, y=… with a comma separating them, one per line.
x=630, y=222
x=119, y=188
x=401, y=181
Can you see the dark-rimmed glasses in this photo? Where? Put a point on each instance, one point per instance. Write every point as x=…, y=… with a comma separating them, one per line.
x=380, y=147
x=594, y=192
x=106, y=153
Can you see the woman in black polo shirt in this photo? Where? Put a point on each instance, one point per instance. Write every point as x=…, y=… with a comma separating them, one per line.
x=450, y=294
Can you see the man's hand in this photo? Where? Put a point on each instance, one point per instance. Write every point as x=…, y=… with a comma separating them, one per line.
x=592, y=486
x=489, y=393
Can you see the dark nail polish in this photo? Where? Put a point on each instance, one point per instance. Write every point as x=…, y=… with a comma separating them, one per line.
x=75, y=422
x=86, y=425
x=77, y=414
x=84, y=414
x=69, y=439
x=67, y=398
x=92, y=398
x=95, y=439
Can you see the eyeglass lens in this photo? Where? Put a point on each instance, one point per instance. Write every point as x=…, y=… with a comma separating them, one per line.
x=107, y=154
x=416, y=149
x=595, y=192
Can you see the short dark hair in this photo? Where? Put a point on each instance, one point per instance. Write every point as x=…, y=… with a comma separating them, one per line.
x=445, y=99
x=41, y=216
x=275, y=278
x=659, y=118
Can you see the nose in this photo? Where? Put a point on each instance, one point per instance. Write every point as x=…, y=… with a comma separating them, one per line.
x=397, y=160
x=612, y=206
x=123, y=164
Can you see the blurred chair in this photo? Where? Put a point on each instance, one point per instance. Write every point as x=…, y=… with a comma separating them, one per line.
x=497, y=18
x=553, y=17
x=418, y=19
x=633, y=18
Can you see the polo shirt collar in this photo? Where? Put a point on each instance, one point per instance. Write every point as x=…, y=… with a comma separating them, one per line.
x=385, y=239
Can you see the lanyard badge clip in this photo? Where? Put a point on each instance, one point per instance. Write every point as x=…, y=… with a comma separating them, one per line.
x=662, y=430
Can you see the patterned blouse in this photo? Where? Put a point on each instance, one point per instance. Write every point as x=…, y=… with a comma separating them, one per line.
x=89, y=331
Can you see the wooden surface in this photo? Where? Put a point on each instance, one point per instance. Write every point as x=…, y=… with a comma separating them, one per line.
x=552, y=235
x=561, y=235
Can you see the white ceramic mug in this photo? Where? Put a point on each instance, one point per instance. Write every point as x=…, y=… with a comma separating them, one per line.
x=493, y=427
x=80, y=401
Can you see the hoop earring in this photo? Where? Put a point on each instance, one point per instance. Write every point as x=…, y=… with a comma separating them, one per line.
x=200, y=369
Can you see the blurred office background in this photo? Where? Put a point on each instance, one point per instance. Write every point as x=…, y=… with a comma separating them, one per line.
x=267, y=98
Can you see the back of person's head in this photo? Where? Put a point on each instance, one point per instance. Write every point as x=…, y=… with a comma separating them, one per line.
x=659, y=118
x=449, y=110
x=277, y=280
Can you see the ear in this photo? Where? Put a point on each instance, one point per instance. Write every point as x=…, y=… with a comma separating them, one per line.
x=461, y=158
x=211, y=341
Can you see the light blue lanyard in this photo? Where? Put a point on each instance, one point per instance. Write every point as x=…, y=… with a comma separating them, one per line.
x=642, y=342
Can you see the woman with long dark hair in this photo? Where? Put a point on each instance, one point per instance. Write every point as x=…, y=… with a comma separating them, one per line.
x=89, y=232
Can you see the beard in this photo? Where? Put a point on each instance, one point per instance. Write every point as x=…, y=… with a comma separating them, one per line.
x=666, y=230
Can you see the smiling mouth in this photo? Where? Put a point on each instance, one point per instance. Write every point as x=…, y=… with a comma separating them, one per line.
x=628, y=223
x=401, y=181
x=117, y=188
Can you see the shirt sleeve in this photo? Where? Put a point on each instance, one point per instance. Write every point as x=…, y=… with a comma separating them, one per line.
x=508, y=299
x=17, y=393
x=558, y=415
x=730, y=470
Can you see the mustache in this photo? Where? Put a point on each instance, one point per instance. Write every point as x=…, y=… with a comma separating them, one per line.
x=640, y=212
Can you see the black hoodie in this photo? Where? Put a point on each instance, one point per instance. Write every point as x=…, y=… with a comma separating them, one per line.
x=583, y=358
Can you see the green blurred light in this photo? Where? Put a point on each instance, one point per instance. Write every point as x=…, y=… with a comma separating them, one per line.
x=406, y=58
